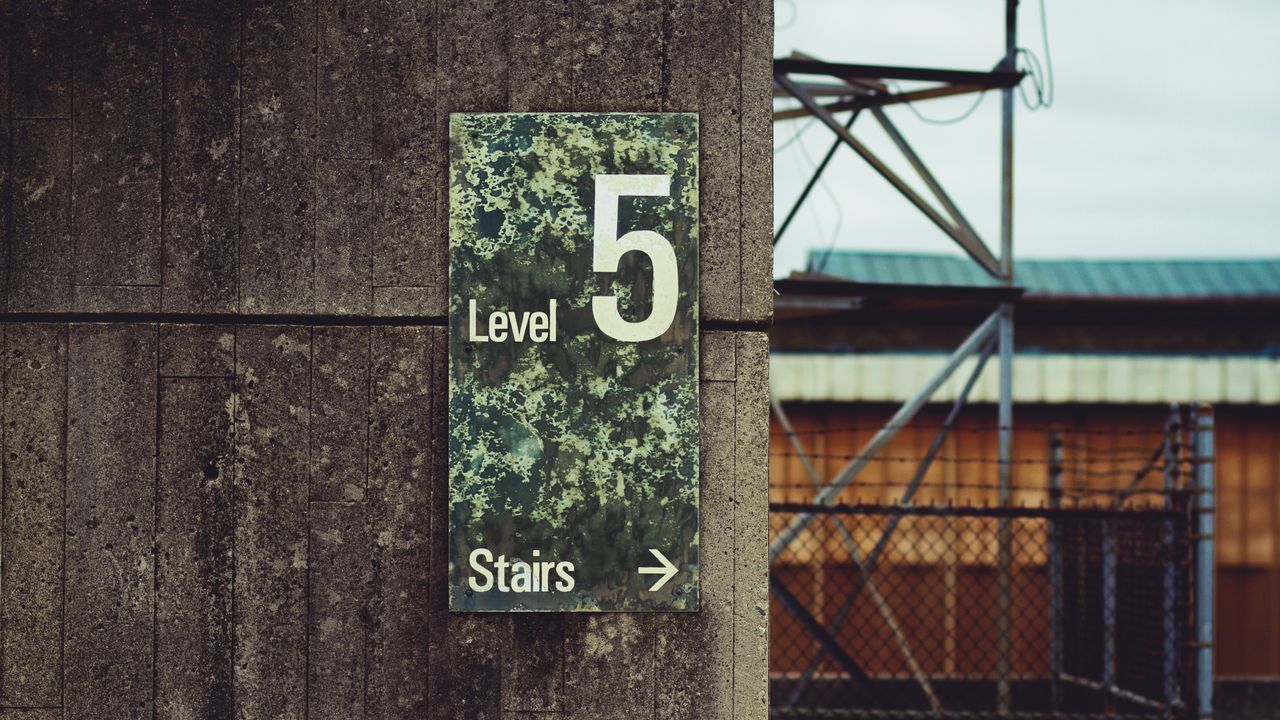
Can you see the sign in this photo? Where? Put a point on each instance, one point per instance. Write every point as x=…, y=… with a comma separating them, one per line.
x=573, y=362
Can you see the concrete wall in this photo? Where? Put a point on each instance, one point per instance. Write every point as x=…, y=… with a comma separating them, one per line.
x=231, y=504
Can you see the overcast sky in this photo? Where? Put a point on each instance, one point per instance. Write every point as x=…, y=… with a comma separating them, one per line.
x=1163, y=140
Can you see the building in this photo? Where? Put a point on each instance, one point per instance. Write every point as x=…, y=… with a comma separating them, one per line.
x=1103, y=348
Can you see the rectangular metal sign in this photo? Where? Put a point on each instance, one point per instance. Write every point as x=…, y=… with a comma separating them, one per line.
x=573, y=362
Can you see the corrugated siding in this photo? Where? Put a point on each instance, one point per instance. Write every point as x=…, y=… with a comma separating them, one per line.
x=1116, y=379
x=1102, y=441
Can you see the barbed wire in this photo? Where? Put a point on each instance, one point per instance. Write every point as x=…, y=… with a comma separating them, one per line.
x=1066, y=431
x=966, y=459
x=1132, y=450
x=1045, y=489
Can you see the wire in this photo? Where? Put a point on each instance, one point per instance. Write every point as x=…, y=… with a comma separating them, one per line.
x=975, y=460
x=835, y=233
x=1154, y=434
x=1041, y=75
x=795, y=137
x=1078, y=491
x=1051, y=85
x=941, y=121
x=791, y=21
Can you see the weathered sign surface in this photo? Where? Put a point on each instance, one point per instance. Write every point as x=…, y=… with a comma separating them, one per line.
x=573, y=362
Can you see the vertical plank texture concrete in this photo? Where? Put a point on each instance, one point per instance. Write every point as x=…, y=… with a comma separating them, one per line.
x=399, y=516
x=233, y=506
x=272, y=417
x=194, y=535
x=35, y=371
x=108, y=626
x=200, y=194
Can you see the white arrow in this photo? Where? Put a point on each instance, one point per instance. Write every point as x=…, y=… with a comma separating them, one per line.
x=666, y=571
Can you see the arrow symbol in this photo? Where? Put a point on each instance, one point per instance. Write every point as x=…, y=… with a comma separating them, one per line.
x=666, y=570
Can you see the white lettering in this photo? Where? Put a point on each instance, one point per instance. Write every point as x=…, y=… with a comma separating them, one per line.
x=501, y=325
x=518, y=576
x=538, y=325
x=565, y=571
x=498, y=327
x=608, y=250
x=473, y=335
x=488, y=576
x=521, y=577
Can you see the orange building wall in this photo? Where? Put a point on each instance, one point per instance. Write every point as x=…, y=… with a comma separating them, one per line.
x=1102, y=444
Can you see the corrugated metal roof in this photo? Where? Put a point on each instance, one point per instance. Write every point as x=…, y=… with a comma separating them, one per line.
x=1183, y=278
x=1049, y=378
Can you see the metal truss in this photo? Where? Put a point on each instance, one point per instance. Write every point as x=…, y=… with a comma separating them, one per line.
x=858, y=89
x=854, y=88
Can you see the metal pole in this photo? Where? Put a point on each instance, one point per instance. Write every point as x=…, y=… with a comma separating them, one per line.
x=1108, y=615
x=1003, y=695
x=882, y=437
x=1172, y=453
x=1056, y=628
x=1204, y=462
x=1006, y=141
x=817, y=174
x=1004, y=526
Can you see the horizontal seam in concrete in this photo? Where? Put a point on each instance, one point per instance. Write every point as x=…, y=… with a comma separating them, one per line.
x=745, y=325
x=117, y=285
x=220, y=319
x=283, y=319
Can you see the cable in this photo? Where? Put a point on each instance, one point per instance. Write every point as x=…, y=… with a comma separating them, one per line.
x=835, y=233
x=1041, y=75
x=795, y=15
x=1051, y=86
x=941, y=121
x=976, y=460
x=960, y=485
x=795, y=137
x=1157, y=435
x=1036, y=74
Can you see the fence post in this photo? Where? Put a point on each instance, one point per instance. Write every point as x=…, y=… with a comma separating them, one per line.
x=1172, y=456
x=1109, y=683
x=1108, y=614
x=1203, y=468
x=1055, y=570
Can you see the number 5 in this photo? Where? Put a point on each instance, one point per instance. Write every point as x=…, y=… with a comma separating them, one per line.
x=609, y=249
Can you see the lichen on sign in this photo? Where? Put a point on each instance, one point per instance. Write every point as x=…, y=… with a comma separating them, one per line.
x=573, y=362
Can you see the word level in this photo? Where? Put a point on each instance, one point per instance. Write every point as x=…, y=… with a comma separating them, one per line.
x=538, y=327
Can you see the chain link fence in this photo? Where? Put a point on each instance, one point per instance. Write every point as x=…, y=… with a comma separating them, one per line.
x=1077, y=586
x=890, y=611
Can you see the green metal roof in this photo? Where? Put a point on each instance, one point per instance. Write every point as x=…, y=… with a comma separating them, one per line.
x=1147, y=278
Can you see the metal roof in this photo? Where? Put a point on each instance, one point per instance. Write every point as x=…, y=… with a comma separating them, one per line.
x=1139, y=279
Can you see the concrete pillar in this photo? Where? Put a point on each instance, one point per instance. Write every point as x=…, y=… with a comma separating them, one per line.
x=223, y=427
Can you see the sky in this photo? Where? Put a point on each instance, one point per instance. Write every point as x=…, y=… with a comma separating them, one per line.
x=1163, y=139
